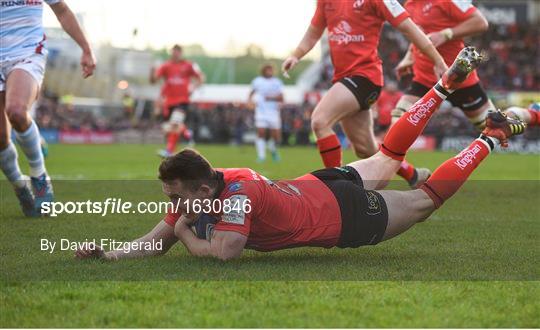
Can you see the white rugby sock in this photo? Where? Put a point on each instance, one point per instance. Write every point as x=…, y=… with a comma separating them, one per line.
x=30, y=142
x=272, y=145
x=10, y=165
x=260, y=145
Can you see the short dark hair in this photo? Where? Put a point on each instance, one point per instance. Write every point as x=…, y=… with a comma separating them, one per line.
x=190, y=167
x=266, y=66
x=177, y=47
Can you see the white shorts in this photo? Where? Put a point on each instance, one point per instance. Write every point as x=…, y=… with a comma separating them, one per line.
x=33, y=64
x=270, y=122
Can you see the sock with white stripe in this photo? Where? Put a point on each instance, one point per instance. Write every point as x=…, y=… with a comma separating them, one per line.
x=30, y=142
x=10, y=165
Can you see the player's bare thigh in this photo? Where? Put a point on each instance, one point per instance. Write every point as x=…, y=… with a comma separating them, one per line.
x=358, y=127
x=4, y=124
x=405, y=209
x=21, y=91
x=261, y=132
x=376, y=171
x=337, y=104
x=275, y=134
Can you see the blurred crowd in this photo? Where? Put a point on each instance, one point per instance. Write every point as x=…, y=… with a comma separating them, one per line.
x=513, y=52
x=514, y=65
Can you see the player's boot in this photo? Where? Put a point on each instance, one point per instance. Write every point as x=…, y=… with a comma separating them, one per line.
x=422, y=174
x=466, y=61
x=26, y=198
x=43, y=191
x=275, y=156
x=164, y=153
x=502, y=127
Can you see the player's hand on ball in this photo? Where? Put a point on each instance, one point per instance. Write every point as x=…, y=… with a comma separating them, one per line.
x=88, y=64
x=91, y=251
x=288, y=65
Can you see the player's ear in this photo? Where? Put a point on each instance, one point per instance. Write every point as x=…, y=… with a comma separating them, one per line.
x=205, y=190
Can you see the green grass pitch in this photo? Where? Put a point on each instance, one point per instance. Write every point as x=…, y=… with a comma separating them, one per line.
x=474, y=263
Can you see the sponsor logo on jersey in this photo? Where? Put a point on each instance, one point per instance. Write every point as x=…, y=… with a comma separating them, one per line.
x=427, y=7
x=20, y=3
x=236, y=215
x=235, y=187
x=394, y=7
x=466, y=157
x=357, y=4
x=420, y=111
x=341, y=34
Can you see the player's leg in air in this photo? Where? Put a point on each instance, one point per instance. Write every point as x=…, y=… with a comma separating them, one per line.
x=174, y=128
x=20, y=91
x=531, y=116
x=406, y=208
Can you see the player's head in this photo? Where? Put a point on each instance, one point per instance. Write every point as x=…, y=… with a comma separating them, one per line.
x=187, y=176
x=267, y=70
x=176, y=53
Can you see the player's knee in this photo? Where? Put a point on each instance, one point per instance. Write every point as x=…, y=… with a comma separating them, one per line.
x=17, y=114
x=364, y=144
x=425, y=206
x=364, y=150
x=178, y=231
x=4, y=140
x=319, y=123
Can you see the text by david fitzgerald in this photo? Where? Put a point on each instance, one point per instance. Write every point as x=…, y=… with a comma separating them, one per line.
x=106, y=244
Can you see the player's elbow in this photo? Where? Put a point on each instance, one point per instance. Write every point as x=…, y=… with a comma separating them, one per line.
x=227, y=257
x=483, y=24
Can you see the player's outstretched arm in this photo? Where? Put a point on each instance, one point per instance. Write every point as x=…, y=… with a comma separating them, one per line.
x=310, y=39
x=474, y=25
x=223, y=245
x=70, y=24
x=413, y=33
x=162, y=232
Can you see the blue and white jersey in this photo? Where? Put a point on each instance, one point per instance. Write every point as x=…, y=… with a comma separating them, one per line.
x=21, y=28
x=264, y=87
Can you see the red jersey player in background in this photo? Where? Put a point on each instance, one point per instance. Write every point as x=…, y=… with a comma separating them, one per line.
x=387, y=101
x=354, y=27
x=334, y=207
x=181, y=77
x=446, y=22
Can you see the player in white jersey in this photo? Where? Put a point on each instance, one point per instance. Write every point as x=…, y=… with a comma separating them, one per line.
x=23, y=54
x=267, y=94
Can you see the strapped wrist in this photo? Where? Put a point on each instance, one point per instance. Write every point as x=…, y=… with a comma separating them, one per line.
x=448, y=34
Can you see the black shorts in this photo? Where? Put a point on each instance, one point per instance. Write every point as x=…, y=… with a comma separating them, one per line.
x=467, y=99
x=364, y=90
x=364, y=215
x=175, y=107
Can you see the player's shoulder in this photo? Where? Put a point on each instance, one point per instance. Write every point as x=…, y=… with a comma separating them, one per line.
x=238, y=174
x=257, y=80
x=276, y=80
x=239, y=180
